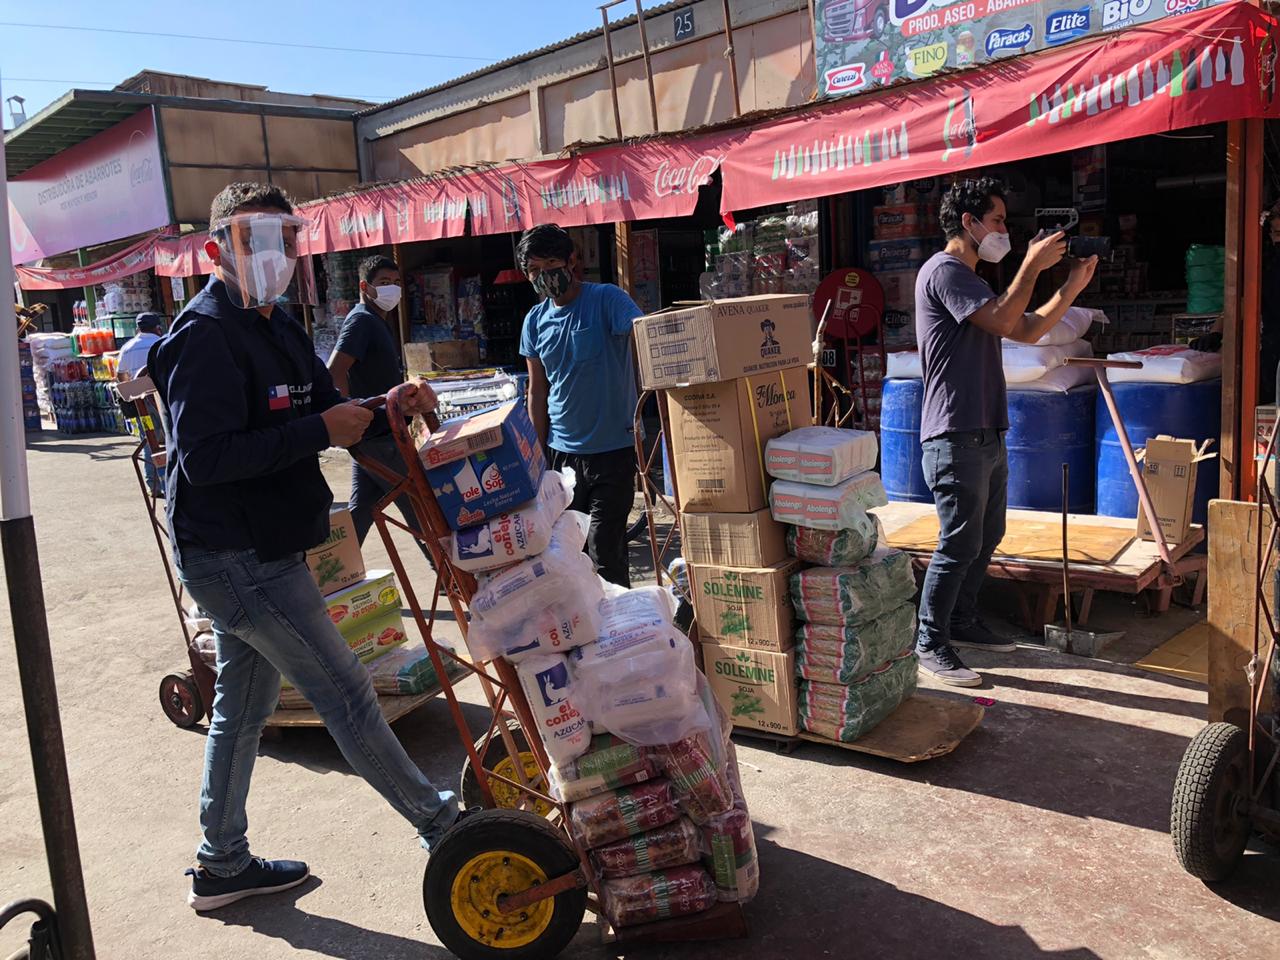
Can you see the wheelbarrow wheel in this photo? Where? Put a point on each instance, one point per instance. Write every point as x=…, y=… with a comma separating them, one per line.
x=1209, y=825
x=495, y=759
x=180, y=700
x=495, y=852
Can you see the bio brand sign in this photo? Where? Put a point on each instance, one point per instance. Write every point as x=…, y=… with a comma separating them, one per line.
x=866, y=44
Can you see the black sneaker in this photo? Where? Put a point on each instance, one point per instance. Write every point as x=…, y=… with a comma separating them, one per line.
x=945, y=665
x=978, y=636
x=261, y=876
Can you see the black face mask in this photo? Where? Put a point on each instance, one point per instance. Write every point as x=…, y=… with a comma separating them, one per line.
x=553, y=283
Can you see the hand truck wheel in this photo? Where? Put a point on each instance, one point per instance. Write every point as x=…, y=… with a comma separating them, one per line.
x=494, y=852
x=497, y=761
x=180, y=700
x=1209, y=822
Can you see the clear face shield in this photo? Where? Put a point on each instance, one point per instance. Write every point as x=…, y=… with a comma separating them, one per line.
x=260, y=262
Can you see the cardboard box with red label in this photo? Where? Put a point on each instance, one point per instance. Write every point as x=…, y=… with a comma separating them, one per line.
x=485, y=464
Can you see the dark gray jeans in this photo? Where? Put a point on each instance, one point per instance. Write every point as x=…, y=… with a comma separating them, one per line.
x=969, y=475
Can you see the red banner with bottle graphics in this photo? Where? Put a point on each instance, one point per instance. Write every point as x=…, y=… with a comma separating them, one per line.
x=638, y=182
x=133, y=259
x=1204, y=67
x=183, y=256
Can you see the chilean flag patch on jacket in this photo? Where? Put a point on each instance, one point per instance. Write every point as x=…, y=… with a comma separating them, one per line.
x=278, y=397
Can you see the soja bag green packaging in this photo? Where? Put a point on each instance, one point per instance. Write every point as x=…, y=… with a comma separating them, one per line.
x=836, y=548
x=854, y=595
x=847, y=713
x=845, y=655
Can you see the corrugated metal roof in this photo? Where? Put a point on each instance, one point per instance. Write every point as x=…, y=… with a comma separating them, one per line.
x=531, y=55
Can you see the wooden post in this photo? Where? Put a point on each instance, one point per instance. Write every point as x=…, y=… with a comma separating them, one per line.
x=1229, y=446
x=733, y=60
x=402, y=311
x=90, y=302
x=622, y=257
x=613, y=75
x=648, y=65
x=1250, y=335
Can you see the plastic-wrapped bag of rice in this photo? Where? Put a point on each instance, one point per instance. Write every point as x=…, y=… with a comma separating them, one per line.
x=821, y=455
x=853, y=595
x=826, y=508
x=608, y=764
x=676, y=892
x=836, y=548
x=729, y=846
x=610, y=817
x=846, y=713
x=846, y=654
x=671, y=846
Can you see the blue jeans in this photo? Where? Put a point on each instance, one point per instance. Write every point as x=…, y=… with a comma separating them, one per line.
x=367, y=489
x=969, y=476
x=269, y=619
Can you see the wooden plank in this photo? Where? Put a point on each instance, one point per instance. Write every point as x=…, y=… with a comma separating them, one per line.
x=724, y=921
x=924, y=727
x=392, y=707
x=1230, y=447
x=1232, y=575
x=1029, y=540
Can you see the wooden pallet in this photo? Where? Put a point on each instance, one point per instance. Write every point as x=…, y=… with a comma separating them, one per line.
x=926, y=726
x=1134, y=567
x=393, y=707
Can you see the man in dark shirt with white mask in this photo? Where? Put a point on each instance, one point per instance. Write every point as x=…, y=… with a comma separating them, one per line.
x=959, y=325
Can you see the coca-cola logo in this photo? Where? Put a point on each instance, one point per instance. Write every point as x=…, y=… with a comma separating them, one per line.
x=671, y=179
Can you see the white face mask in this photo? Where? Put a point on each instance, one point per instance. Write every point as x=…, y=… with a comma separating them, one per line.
x=386, y=296
x=994, y=247
x=266, y=275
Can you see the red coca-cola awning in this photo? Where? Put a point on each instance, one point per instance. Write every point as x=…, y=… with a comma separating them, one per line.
x=183, y=256
x=1203, y=67
x=134, y=258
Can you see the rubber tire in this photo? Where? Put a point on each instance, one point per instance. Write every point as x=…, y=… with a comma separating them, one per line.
x=469, y=786
x=879, y=24
x=1198, y=797
x=183, y=720
x=509, y=830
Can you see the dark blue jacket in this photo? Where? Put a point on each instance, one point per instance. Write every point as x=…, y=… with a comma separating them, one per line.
x=243, y=395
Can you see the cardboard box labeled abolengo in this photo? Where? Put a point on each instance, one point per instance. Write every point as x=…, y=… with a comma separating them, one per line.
x=723, y=340
x=757, y=688
x=719, y=432
x=337, y=563
x=744, y=607
x=733, y=539
x=1169, y=468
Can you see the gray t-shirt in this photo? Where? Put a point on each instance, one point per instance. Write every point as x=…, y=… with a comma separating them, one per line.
x=963, y=370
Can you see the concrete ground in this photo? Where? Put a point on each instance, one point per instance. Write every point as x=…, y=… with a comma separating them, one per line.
x=1043, y=835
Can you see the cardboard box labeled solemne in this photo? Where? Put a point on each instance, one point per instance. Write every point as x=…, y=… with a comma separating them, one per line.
x=733, y=539
x=719, y=432
x=1169, y=468
x=485, y=464
x=757, y=688
x=337, y=563
x=743, y=607
x=723, y=340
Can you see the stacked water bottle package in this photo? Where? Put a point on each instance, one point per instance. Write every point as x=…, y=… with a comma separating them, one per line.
x=654, y=794
x=854, y=647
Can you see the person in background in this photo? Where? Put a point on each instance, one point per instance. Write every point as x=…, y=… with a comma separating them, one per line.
x=959, y=325
x=133, y=355
x=133, y=360
x=366, y=362
x=248, y=409
x=582, y=388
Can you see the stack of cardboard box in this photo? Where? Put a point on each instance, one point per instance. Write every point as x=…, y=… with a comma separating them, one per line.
x=736, y=375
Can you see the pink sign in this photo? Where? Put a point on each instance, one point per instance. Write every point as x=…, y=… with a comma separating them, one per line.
x=107, y=188
x=182, y=256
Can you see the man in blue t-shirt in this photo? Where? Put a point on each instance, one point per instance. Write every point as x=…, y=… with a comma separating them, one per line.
x=582, y=388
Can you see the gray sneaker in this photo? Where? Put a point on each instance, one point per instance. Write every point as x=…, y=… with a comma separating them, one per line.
x=945, y=665
x=978, y=636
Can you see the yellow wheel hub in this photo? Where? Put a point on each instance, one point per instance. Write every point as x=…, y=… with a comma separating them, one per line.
x=507, y=797
x=475, y=893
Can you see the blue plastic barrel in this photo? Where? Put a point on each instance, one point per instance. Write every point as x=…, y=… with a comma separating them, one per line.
x=900, y=441
x=1189, y=411
x=1046, y=430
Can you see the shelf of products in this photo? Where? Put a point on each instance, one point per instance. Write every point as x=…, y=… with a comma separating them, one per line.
x=27, y=380
x=83, y=401
x=773, y=254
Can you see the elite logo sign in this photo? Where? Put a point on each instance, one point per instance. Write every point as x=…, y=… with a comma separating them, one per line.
x=1064, y=25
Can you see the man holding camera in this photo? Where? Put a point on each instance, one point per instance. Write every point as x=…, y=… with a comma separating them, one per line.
x=959, y=325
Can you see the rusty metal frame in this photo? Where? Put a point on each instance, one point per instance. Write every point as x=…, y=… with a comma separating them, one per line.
x=731, y=56
x=648, y=63
x=1259, y=671
x=654, y=495
x=613, y=73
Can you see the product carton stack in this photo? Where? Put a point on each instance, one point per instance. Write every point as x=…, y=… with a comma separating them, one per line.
x=854, y=654
x=736, y=376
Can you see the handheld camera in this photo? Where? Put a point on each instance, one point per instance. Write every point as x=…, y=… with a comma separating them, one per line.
x=1053, y=219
